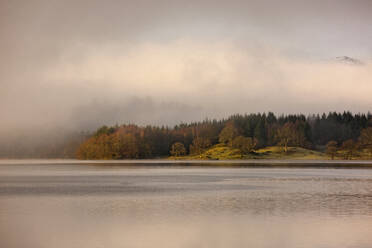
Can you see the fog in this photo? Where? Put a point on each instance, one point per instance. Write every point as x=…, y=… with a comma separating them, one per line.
x=77, y=65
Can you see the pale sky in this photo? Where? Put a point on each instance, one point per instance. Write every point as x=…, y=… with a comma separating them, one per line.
x=85, y=63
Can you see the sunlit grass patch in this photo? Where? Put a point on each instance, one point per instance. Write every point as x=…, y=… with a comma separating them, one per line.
x=223, y=152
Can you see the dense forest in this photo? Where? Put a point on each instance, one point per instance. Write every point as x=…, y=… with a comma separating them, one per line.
x=327, y=132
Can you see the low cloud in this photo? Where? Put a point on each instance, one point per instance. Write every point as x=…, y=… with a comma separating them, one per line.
x=182, y=80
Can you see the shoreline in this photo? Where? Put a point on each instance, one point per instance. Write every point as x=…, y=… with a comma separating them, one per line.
x=167, y=162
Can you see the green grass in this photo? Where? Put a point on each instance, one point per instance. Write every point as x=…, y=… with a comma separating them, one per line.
x=277, y=152
x=363, y=154
x=217, y=152
x=222, y=152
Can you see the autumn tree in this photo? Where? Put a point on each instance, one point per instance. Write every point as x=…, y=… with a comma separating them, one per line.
x=348, y=148
x=365, y=139
x=228, y=133
x=285, y=135
x=178, y=149
x=199, y=145
x=244, y=144
x=331, y=149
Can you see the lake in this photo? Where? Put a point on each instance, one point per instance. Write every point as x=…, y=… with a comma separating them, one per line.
x=67, y=203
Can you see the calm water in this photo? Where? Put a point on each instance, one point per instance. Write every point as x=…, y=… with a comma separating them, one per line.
x=71, y=204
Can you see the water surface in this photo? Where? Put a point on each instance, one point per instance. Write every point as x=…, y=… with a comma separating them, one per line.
x=75, y=204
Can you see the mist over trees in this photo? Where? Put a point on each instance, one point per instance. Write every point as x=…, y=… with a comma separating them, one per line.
x=327, y=132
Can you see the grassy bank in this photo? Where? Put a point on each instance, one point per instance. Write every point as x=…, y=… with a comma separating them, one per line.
x=221, y=152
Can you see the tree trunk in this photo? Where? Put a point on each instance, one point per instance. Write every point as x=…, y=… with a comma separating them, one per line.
x=285, y=147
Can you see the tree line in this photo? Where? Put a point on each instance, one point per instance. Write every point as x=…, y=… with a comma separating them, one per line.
x=332, y=132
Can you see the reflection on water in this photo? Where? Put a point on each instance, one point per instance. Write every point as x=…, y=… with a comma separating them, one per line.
x=81, y=205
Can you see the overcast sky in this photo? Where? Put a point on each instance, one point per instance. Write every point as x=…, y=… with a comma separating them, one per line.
x=85, y=63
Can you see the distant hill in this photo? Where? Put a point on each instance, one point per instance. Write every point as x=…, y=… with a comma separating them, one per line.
x=348, y=60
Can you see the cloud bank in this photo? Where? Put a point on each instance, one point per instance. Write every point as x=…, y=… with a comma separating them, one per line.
x=82, y=64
